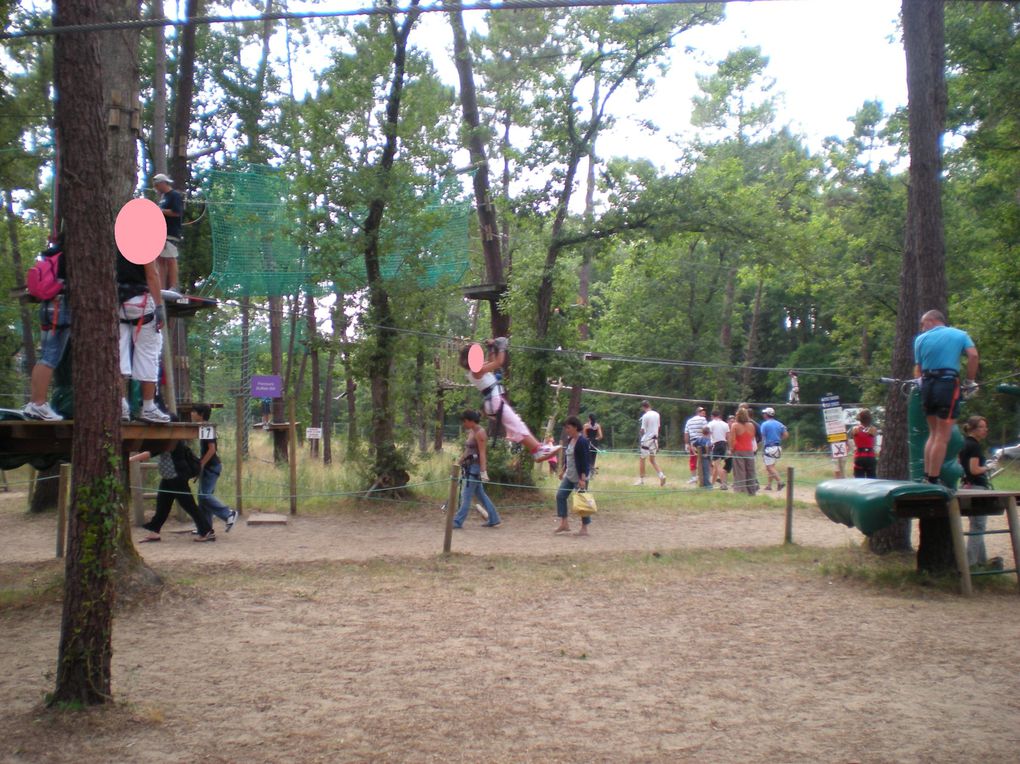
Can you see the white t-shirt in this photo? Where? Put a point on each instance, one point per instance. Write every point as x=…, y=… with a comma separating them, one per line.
x=649, y=425
x=719, y=429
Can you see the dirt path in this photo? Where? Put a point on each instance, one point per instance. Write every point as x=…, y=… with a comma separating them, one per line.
x=347, y=639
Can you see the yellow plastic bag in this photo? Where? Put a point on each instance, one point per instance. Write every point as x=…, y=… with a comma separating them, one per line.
x=583, y=503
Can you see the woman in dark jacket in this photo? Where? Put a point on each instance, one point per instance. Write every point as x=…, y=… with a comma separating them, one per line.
x=573, y=474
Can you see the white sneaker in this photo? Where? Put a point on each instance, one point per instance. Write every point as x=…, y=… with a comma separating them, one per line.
x=125, y=410
x=155, y=415
x=639, y=481
x=41, y=411
x=545, y=452
x=231, y=520
x=662, y=478
x=482, y=511
x=693, y=480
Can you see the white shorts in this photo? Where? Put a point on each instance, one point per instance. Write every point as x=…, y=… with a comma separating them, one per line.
x=140, y=344
x=516, y=430
x=650, y=447
x=771, y=455
x=169, y=250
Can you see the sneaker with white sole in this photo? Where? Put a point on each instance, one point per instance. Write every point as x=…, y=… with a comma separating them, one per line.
x=41, y=411
x=125, y=410
x=231, y=520
x=639, y=481
x=153, y=414
x=662, y=478
x=545, y=452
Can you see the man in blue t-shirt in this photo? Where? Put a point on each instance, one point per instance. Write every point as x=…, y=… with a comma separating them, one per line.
x=773, y=433
x=937, y=351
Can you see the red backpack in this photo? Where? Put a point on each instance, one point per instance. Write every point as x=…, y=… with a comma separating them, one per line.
x=42, y=280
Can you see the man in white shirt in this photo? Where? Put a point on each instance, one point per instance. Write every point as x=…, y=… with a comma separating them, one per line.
x=720, y=432
x=649, y=443
x=692, y=431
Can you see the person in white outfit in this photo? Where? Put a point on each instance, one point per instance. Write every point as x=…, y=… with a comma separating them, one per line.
x=495, y=404
x=649, y=443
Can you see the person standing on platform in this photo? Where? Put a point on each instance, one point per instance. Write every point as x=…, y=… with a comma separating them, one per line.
x=172, y=204
x=212, y=467
x=937, y=351
x=649, y=443
x=55, y=323
x=474, y=464
x=141, y=316
x=864, y=434
x=692, y=431
x=773, y=433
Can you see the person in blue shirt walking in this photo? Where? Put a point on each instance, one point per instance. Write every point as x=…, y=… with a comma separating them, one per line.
x=773, y=433
x=937, y=351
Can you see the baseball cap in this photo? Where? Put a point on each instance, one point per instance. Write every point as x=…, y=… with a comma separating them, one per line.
x=769, y=411
x=161, y=178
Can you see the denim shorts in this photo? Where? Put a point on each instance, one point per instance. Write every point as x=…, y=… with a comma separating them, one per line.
x=54, y=341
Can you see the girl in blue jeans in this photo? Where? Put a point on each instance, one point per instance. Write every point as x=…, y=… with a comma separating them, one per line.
x=474, y=462
x=573, y=474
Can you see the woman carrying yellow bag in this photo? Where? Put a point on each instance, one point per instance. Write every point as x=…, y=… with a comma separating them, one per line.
x=573, y=474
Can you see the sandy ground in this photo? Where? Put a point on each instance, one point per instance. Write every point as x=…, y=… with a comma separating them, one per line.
x=347, y=639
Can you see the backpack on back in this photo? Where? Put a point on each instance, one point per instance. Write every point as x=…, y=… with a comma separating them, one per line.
x=42, y=280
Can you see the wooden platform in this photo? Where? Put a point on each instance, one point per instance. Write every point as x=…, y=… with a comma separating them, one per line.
x=968, y=502
x=54, y=438
x=266, y=518
x=484, y=291
x=177, y=305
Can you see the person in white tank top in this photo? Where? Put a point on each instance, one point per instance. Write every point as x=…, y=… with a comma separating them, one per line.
x=494, y=402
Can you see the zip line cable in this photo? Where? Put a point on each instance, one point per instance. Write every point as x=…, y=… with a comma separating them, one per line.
x=396, y=10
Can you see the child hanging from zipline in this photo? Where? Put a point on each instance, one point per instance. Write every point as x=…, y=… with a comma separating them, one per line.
x=483, y=375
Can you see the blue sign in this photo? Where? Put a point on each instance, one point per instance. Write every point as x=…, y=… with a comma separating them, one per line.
x=267, y=387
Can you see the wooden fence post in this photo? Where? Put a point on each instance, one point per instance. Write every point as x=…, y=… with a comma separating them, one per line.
x=292, y=448
x=242, y=424
x=451, y=508
x=788, y=536
x=63, y=485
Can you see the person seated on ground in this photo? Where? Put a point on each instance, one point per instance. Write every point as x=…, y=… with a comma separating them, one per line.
x=172, y=205
x=211, y=469
x=55, y=323
x=495, y=404
x=173, y=487
x=142, y=316
x=864, y=435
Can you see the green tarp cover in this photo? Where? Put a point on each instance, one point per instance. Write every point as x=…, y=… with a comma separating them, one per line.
x=867, y=504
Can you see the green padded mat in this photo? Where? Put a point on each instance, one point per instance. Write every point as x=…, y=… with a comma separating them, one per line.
x=867, y=504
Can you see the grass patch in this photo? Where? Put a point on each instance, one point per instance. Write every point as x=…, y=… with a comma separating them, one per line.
x=26, y=585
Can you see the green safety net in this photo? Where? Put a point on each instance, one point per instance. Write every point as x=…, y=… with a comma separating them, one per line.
x=254, y=252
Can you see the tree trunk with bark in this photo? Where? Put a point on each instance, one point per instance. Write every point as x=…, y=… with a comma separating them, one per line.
x=84, y=656
x=475, y=139
x=158, y=146
x=313, y=354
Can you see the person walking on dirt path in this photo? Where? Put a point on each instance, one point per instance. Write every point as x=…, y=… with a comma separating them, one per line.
x=649, y=443
x=494, y=402
x=937, y=352
x=574, y=473
x=173, y=487
x=209, y=459
x=474, y=464
x=773, y=433
x=692, y=431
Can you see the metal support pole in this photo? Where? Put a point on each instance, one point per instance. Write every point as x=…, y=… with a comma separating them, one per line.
x=788, y=535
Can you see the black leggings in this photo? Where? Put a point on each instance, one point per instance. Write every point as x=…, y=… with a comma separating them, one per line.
x=865, y=467
x=176, y=488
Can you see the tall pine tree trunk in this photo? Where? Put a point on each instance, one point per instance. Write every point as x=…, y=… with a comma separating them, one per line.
x=83, y=663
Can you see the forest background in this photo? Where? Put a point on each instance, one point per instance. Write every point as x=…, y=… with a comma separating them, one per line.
x=751, y=255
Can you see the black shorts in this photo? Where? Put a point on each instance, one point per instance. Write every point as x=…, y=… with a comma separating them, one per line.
x=940, y=396
x=719, y=450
